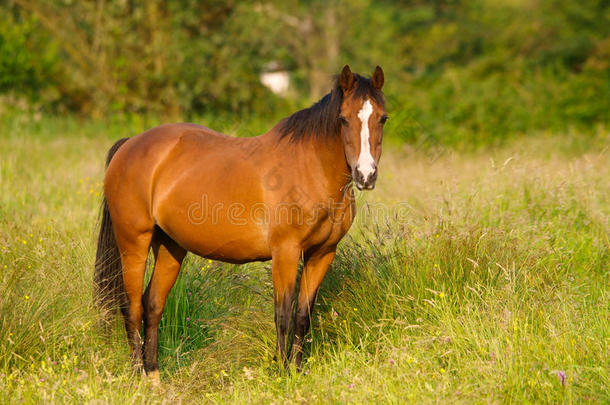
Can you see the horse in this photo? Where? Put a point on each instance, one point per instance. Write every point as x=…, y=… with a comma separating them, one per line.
x=284, y=196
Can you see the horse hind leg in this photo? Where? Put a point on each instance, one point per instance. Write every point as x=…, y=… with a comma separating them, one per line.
x=134, y=247
x=168, y=259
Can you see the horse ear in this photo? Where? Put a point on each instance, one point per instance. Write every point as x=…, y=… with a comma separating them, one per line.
x=347, y=79
x=377, y=78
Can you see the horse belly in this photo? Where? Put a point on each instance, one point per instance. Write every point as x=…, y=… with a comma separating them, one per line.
x=219, y=241
x=213, y=229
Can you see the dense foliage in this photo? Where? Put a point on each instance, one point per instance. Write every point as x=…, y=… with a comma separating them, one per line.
x=456, y=70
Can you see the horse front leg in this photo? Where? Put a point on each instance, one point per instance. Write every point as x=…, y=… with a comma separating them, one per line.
x=314, y=271
x=284, y=274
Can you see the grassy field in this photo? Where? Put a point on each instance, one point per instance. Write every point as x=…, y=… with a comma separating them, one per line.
x=479, y=276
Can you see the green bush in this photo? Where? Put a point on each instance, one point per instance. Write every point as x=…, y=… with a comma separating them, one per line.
x=458, y=72
x=27, y=58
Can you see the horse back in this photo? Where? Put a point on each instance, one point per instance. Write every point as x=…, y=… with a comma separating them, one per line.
x=187, y=179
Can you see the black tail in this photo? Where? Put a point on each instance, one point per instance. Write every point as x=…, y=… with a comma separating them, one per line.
x=108, y=289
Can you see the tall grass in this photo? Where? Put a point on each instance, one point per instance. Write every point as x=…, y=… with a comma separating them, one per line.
x=490, y=285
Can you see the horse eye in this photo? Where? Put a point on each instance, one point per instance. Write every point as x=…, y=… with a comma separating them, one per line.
x=383, y=119
x=343, y=120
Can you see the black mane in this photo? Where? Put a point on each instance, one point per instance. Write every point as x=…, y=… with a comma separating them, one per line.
x=322, y=119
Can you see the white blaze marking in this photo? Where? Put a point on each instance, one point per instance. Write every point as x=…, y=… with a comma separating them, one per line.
x=366, y=163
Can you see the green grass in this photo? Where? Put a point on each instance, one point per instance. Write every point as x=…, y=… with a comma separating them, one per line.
x=490, y=282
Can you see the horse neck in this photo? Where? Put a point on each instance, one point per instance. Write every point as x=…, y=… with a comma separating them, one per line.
x=332, y=157
x=328, y=154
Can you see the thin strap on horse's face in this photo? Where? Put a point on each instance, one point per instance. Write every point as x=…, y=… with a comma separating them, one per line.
x=366, y=163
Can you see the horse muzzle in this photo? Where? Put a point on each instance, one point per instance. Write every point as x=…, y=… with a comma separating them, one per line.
x=365, y=180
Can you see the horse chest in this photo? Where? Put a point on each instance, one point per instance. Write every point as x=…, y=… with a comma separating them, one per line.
x=332, y=225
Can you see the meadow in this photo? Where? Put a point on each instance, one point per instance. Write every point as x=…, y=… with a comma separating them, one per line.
x=489, y=284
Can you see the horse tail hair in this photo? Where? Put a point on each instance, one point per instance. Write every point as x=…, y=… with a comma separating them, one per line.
x=108, y=288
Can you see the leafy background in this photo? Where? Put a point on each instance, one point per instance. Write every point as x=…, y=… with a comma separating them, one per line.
x=458, y=72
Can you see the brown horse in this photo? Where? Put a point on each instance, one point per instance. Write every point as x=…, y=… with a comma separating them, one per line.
x=283, y=195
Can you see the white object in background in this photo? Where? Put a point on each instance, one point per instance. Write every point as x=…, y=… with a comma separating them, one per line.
x=277, y=82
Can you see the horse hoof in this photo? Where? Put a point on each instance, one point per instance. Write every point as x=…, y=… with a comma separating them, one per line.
x=154, y=377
